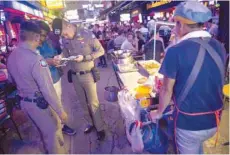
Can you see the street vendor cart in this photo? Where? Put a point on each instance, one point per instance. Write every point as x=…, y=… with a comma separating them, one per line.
x=140, y=83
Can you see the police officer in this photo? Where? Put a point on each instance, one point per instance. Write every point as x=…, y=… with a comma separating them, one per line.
x=84, y=45
x=48, y=52
x=39, y=100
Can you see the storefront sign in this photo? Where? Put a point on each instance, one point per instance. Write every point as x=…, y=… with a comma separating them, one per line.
x=54, y=4
x=26, y=9
x=135, y=13
x=157, y=3
x=72, y=15
x=49, y=15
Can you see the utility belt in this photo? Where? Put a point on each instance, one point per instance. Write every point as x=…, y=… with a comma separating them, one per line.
x=95, y=72
x=38, y=99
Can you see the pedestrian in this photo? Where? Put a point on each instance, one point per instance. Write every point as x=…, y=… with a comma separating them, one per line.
x=193, y=72
x=151, y=25
x=84, y=45
x=102, y=58
x=159, y=47
x=144, y=31
x=49, y=53
x=39, y=100
x=12, y=45
x=119, y=39
x=128, y=43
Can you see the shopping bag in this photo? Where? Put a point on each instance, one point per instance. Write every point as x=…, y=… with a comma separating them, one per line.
x=136, y=139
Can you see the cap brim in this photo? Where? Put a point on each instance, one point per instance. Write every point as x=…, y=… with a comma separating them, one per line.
x=183, y=20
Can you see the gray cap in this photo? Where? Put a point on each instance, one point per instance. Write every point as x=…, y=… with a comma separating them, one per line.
x=192, y=12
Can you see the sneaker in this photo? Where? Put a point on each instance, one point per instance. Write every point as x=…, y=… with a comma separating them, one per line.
x=68, y=131
x=88, y=129
x=99, y=64
x=101, y=135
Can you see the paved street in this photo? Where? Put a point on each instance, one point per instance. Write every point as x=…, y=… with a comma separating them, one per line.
x=115, y=142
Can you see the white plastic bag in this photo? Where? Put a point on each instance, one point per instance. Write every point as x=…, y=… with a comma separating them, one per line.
x=136, y=139
x=129, y=108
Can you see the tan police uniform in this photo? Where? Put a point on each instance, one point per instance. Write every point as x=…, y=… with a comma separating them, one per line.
x=31, y=74
x=84, y=43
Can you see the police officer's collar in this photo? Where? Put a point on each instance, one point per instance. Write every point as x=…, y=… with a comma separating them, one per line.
x=78, y=34
x=25, y=45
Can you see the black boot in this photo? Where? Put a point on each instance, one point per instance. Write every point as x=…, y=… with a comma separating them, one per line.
x=101, y=135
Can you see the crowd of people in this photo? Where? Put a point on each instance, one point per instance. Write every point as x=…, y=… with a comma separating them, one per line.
x=135, y=37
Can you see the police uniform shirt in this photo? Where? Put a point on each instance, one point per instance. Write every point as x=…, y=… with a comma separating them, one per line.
x=31, y=73
x=84, y=43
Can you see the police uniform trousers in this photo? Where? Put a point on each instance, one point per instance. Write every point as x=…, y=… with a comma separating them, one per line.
x=58, y=88
x=48, y=124
x=87, y=93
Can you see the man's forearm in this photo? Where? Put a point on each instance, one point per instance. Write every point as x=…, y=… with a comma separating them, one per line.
x=164, y=100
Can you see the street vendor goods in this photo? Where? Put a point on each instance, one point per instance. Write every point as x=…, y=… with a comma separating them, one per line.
x=143, y=94
x=151, y=66
x=144, y=89
x=142, y=80
x=124, y=68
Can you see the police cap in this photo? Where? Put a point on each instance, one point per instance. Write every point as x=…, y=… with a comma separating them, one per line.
x=57, y=26
x=30, y=27
x=192, y=12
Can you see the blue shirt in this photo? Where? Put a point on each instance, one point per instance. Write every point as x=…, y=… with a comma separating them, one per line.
x=47, y=51
x=206, y=93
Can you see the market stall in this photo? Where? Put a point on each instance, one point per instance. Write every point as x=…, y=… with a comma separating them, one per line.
x=140, y=83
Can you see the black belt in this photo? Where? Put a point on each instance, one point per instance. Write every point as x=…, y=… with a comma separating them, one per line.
x=81, y=72
x=26, y=99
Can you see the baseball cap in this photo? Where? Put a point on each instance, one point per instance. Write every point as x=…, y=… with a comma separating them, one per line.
x=30, y=26
x=57, y=26
x=192, y=12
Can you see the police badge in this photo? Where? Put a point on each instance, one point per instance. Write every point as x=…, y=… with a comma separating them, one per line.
x=43, y=63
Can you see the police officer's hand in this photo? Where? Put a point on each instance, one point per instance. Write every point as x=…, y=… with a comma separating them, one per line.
x=64, y=117
x=79, y=58
x=53, y=62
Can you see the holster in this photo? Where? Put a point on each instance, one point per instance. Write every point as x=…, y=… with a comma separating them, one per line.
x=18, y=101
x=69, y=76
x=40, y=101
x=96, y=74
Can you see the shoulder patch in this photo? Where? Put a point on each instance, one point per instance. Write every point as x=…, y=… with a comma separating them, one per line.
x=43, y=63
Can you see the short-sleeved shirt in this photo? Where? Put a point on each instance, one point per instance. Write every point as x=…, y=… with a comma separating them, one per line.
x=47, y=51
x=206, y=93
x=127, y=45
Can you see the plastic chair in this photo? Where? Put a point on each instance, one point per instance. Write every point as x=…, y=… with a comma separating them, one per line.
x=5, y=116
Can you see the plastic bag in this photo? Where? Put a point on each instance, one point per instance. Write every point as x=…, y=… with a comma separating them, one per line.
x=136, y=139
x=130, y=109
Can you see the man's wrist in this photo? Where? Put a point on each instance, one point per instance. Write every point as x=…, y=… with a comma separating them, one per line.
x=88, y=57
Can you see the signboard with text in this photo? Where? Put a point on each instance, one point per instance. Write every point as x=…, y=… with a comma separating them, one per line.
x=54, y=4
x=157, y=3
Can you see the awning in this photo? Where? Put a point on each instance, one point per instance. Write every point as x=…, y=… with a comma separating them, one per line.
x=163, y=7
x=113, y=8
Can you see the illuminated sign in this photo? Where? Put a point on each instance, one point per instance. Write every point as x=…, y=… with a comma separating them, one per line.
x=135, y=13
x=54, y=4
x=72, y=15
x=26, y=9
x=157, y=3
